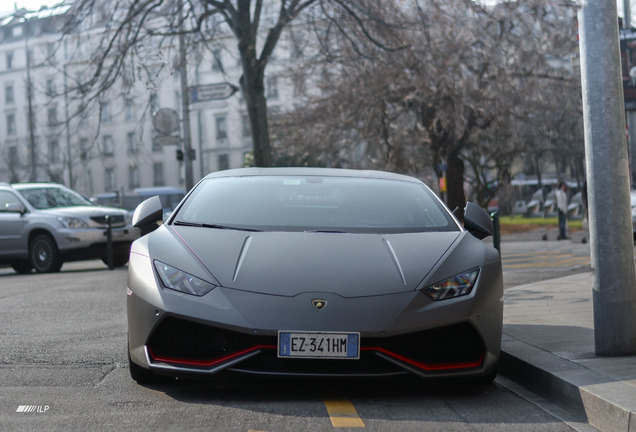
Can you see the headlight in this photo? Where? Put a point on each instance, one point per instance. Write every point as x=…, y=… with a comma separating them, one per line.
x=178, y=280
x=455, y=286
x=72, y=223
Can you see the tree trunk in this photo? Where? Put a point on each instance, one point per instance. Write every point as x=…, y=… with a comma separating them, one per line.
x=254, y=92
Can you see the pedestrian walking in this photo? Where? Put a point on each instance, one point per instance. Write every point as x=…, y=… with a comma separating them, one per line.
x=562, y=208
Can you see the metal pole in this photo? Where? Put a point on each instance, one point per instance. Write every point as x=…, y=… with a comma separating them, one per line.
x=185, y=105
x=496, y=236
x=109, y=242
x=611, y=238
x=33, y=176
x=69, y=150
x=627, y=24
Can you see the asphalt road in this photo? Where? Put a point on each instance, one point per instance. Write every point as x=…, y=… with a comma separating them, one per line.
x=63, y=367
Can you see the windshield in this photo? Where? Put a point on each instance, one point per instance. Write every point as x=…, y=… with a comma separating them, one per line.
x=52, y=197
x=314, y=203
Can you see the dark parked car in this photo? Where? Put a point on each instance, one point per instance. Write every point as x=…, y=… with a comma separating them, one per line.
x=313, y=272
x=42, y=225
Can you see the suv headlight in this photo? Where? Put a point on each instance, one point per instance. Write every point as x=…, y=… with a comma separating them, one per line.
x=72, y=223
x=456, y=286
x=178, y=280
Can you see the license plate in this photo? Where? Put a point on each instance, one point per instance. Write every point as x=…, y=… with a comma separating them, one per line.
x=318, y=345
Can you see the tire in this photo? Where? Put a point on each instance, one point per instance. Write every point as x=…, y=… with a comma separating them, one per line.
x=486, y=379
x=119, y=260
x=44, y=255
x=22, y=266
x=141, y=375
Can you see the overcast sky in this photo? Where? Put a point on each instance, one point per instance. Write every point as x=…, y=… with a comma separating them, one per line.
x=8, y=6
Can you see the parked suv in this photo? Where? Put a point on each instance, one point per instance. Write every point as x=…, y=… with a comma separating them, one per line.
x=43, y=225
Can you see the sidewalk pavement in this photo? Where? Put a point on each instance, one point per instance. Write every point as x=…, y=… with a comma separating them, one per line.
x=548, y=348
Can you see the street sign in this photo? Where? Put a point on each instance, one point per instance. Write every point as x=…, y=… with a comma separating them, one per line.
x=166, y=121
x=208, y=92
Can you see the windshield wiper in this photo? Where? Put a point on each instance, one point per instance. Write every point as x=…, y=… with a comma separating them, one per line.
x=214, y=226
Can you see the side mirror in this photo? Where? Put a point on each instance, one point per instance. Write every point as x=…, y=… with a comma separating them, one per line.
x=477, y=221
x=147, y=215
x=13, y=208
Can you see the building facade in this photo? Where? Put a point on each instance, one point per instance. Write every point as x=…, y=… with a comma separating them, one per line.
x=112, y=145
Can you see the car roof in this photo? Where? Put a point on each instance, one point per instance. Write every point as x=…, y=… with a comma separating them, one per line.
x=306, y=171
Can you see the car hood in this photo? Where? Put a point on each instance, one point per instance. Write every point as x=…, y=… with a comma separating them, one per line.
x=291, y=263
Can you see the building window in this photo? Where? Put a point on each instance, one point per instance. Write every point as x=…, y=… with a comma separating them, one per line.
x=157, y=172
x=50, y=53
x=272, y=88
x=221, y=128
x=13, y=156
x=83, y=119
x=131, y=139
x=223, y=162
x=105, y=108
x=54, y=151
x=129, y=112
x=52, y=115
x=9, y=96
x=11, y=125
x=83, y=144
x=133, y=177
x=247, y=126
x=217, y=60
x=109, y=179
x=9, y=60
x=50, y=87
x=108, y=148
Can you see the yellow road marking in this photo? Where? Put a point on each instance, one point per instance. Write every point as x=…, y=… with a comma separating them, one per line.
x=343, y=414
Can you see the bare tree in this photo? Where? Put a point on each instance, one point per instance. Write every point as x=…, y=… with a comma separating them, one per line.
x=464, y=90
x=143, y=31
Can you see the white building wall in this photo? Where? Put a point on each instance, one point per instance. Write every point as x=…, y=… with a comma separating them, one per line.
x=219, y=133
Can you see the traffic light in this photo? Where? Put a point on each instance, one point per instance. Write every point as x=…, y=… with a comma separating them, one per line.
x=179, y=155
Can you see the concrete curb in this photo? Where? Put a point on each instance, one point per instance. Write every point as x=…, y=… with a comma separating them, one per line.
x=590, y=396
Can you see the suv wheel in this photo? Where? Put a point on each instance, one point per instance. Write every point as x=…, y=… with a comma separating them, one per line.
x=44, y=254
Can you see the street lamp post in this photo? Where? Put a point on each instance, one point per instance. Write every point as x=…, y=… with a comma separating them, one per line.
x=611, y=237
x=33, y=176
x=188, y=154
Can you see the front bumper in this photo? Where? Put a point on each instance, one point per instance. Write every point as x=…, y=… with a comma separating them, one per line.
x=174, y=333
x=69, y=239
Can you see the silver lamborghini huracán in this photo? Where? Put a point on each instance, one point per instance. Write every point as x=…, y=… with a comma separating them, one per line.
x=313, y=272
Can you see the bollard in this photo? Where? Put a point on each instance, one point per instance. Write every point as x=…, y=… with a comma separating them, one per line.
x=109, y=242
x=496, y=236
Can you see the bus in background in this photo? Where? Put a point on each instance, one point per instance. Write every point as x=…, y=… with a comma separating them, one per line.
x=169, y=196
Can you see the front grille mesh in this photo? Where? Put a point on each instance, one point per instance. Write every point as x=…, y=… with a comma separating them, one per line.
x=116, y=220
x=458, y=343
x=176, y=338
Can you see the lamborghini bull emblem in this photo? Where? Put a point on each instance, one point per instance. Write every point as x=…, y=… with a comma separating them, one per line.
x=319, y=303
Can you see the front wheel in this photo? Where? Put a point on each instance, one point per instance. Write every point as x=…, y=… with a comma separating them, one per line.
x=140, y=374
x=22, y=266
x=44, y=255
